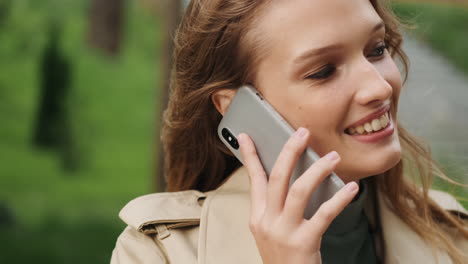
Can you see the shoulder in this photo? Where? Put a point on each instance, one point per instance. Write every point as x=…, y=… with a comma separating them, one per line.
x=151, y=219
x=448, y=202
x=173, y=208
x=135, y=247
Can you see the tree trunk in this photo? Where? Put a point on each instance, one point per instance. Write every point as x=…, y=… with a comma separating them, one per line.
x=5, y=7
x=105, y=26
x=52, y=129
x=6, y=216
x=171, y=11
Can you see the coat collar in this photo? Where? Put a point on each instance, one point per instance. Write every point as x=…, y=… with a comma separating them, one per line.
x=225, y=236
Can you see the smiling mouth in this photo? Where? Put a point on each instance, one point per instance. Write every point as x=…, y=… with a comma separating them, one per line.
x=370, y=127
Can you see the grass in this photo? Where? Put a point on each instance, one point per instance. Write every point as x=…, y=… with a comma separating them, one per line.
x=443, y=27
x=71, y=217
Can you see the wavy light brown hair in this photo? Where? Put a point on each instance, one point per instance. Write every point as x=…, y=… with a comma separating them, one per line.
x=216, y=48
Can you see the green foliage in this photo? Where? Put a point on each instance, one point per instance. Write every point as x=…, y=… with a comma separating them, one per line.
x=444, y=27
x=61, y=217
x=55, y=241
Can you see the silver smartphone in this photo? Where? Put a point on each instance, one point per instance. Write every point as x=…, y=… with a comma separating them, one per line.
x=250, y=113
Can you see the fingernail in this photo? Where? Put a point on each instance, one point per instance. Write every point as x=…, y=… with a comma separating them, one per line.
x=351, y=187
x=332, y=156
x=301, y=132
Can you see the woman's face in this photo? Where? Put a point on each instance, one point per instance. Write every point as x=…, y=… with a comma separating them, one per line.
x=327, y=70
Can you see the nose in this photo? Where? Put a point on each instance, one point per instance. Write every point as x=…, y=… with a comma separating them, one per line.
x=372, y=89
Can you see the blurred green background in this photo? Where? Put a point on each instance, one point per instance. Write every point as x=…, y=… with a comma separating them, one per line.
x=441, y=24
x=72, y=155
x=59, y=199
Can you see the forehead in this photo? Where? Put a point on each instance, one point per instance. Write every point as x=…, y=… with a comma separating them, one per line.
x=300, y=24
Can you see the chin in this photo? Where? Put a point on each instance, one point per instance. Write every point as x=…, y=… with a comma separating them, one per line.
x=383, y=165
x=365, y=165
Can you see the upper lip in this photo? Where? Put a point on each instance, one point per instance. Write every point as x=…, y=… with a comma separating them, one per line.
x=371, y=117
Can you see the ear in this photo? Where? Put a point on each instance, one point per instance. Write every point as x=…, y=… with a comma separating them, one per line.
x=222, y=99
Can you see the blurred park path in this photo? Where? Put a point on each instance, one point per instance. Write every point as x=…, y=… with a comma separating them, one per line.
x=434, y=104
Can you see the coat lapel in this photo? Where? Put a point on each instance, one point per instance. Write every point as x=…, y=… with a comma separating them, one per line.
x=224, y=229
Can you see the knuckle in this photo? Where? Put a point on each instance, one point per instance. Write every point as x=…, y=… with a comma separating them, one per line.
x=253, y=226
x=298, y=191
x=326, y=213
x=263, y=231
x=294, y=242
x=257, y=176
x=299, y=245
x=285, y=243
x=275, y=177
x=259, y=228
x=262, y=175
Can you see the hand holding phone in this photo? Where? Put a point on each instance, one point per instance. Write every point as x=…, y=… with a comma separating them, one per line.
x=281, y=233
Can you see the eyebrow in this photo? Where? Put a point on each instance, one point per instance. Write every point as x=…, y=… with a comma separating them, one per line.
x=327, y=49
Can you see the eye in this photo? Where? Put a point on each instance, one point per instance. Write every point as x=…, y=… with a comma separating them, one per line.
x=379, y=51
x=324, y=73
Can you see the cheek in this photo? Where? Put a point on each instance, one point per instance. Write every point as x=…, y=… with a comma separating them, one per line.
x=309, y=109
x=323, y=131
x=306, y=107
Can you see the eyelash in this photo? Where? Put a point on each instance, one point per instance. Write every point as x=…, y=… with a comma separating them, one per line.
x=380, y=48
x=329, y=69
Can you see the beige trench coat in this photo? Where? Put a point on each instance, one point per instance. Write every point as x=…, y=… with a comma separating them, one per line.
x=212, y=228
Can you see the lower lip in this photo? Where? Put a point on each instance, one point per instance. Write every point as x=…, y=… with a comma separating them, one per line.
x=376, y=136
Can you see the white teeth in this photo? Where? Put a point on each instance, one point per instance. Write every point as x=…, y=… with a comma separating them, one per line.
x=368, y=127
x=376, y=125
x=384, y=120
x=373, y=126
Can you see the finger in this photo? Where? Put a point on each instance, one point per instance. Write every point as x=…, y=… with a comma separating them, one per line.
x=257, y=175
x=302, y=188
x=328, y=211
x=278, y=181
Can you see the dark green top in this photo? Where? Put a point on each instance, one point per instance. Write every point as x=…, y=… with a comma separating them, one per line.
x=349, y=239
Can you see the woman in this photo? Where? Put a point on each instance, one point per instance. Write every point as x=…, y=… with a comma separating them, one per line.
x=328, y=67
